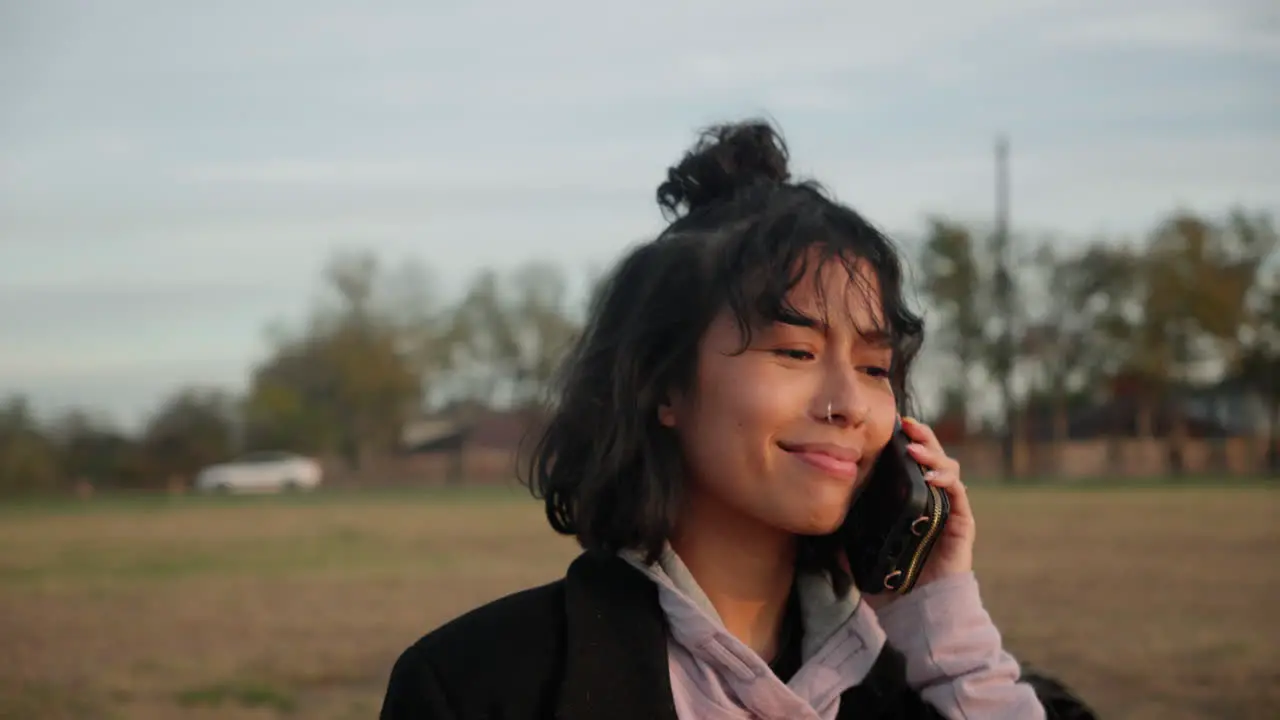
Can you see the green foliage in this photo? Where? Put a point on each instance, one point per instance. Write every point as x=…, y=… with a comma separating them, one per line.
x=382, y=353
x=1197, y=300
x=192, y=429
x=28, y=460
x=346, y=385
x=960, y=289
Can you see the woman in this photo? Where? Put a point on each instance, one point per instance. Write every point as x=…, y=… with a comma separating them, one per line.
x=735, y=383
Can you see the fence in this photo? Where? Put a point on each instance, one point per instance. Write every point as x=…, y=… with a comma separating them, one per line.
x=1118, y=458
x=1065, y=461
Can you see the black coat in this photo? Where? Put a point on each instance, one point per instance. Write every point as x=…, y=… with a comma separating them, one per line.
x=593, y=646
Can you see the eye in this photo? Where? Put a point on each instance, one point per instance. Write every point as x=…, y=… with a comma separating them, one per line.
x=876, y=372
x=793, y=354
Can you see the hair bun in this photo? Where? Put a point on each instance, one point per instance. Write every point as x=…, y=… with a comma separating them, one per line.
x=725, y=159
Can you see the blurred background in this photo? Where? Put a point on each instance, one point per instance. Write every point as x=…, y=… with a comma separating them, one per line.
x=282, y=285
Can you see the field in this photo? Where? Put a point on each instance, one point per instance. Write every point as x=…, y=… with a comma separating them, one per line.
x=1152, y=603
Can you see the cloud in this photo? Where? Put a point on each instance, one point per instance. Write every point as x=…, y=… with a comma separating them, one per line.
x=125, y=392
x=212, y=156
x=49, y=329
x=1238, y=28
x=1120, y=186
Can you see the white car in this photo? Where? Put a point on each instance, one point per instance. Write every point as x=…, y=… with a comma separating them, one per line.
x=269, y=471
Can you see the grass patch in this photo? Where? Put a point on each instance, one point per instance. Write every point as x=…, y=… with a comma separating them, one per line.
x=49, y=701
x=247, y=694
x=1102, y=484
x=148, y=502
x=142, y=504
x=305, y=603
x=326, y=548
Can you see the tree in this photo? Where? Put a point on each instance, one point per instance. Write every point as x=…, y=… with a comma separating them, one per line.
x=409, y=304
x=1095, y=293
x=1199, y=277
x=28, y=460
x=193, y=428
x=91, y=450
x=1258, y=363
x=1059, y=335
x=504, y=347
x=291, y=403
x=1260, y=367
x=345, y=385
x=957, y=287
x=544, y=328
x=484, y=353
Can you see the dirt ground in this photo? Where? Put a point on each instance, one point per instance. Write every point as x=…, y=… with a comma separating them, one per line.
x=1151, y=603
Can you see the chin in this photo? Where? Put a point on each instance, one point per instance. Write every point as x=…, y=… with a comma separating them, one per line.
x=817, y=521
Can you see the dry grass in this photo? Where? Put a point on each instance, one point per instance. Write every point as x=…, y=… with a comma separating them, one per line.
x=1152, y=603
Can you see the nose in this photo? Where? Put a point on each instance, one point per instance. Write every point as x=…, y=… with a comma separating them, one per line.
x=843, y=402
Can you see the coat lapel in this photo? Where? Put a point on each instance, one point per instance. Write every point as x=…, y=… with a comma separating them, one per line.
x=616, y=644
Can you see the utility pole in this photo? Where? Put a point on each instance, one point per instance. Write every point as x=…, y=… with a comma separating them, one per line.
x=1005, y=304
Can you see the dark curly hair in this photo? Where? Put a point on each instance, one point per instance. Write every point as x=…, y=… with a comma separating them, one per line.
x=742, y=235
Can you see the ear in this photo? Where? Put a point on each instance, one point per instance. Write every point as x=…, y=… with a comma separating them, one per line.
x=667, y=415
x=667, y=411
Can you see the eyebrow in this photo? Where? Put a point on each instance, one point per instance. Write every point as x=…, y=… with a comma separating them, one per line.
x=878, y=339
x=791, y=317
x=875, y=338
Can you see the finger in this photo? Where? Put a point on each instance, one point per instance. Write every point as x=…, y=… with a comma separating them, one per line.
x=920, y=433
x=932, y=457
x=950, y=483
x=942, y=479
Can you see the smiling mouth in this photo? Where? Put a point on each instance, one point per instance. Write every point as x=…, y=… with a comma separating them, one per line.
x=841, y=467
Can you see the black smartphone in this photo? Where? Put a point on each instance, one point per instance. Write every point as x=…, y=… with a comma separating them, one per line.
x=894, y=522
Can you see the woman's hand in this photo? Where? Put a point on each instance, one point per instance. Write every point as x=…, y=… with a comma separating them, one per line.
x=953, y=552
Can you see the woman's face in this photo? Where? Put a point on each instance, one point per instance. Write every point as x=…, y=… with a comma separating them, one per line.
x=754, y=431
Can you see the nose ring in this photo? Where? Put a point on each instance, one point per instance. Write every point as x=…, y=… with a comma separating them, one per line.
x=828, y=413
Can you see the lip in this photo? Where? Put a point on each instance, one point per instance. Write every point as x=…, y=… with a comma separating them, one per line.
x=836, y=460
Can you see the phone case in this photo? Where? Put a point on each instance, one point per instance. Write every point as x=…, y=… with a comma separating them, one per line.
x=894, y=522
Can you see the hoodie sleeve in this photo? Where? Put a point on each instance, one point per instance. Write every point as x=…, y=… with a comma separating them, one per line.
x=954, y=655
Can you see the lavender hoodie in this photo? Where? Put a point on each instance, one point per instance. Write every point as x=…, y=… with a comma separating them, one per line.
x=953, y=652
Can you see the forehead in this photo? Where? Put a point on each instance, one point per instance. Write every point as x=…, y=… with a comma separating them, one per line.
x=840, y=293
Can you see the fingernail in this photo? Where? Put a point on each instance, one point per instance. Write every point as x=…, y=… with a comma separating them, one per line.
x=931, y=476
x=916, y=447
x=909, y=420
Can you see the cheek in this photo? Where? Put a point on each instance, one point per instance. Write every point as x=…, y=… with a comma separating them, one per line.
x=751, y=401
x=880, y=423
x=740, y=406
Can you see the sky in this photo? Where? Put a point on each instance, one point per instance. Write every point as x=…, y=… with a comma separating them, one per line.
x=173, y=176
